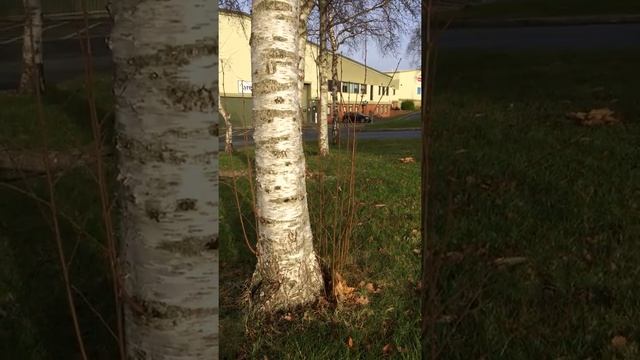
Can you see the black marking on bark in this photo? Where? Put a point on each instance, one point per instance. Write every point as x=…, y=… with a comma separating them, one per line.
x=152, y=309
x=279, y=38
x=263, y=116
x=281, y=54
x=214, y=130
x=212, y=244
x=271, y=86
x=144, y=152
x=154, y=214
x=175, y=55
x=187, y=97
x=186, y=204
x=279, y=100
x=279, y=154
x=190, y=245
x=288, y=163
x=274, y=5
x=277, y=187
x=273, y=140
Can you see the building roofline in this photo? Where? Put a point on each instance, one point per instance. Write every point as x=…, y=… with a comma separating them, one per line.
x=247, y=15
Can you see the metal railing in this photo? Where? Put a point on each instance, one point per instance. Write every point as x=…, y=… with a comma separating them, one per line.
x=13, y=8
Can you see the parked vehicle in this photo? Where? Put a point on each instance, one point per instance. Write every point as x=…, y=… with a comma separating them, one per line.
x=356, y=117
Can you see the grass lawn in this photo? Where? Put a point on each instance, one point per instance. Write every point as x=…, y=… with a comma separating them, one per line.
x=548, y=8
x=407, y=121
x=512, y=178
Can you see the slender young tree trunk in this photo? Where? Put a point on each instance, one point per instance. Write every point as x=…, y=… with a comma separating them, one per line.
x=228, y=136
x=323, y=67
x=305, y=10
x=166, y=89
x=33, y=68
x=335, y=132
x=287, y=271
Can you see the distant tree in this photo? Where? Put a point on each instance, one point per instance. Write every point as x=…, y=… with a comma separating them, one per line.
x=32, y=65
x=287, y=272
x=228, y=135
x=166, y=94
x=347, y=23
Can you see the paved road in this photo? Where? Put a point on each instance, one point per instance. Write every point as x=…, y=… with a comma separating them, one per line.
x=243, y=138
x=63, y=60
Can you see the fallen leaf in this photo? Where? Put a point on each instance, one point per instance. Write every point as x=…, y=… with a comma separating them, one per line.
x=371, y=288
x=417, y=251
x=288, y=317
x=349, y=342
x=380, y=205
x=619, y=341
x=387, y=349
x=361, y=300
x=341, y=289
x=408, y=159
x=594, y=117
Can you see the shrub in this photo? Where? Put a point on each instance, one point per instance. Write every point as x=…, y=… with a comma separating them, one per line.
x=408, y=105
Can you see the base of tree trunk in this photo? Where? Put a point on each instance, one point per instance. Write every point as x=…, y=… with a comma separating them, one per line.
x=266, y=298
x=262, y=319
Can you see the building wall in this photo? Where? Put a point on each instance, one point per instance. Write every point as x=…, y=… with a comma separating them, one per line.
x=235, y=77
x=409, y=85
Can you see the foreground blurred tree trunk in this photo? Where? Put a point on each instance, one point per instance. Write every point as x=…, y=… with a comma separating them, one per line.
x=32, y=65
x=166, y=90
x=287, y=272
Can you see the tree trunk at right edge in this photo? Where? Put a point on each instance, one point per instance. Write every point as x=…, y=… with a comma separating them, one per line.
x=33, y=68
x=287, y=273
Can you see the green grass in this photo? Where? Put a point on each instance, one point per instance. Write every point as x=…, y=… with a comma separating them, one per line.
x=512, y=177
x=407, y=121
x=549, y=8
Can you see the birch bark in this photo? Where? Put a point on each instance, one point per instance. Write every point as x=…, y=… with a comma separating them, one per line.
x=287, y=271
x=166, y=90
x=33, y=69
x=323, y=72
x=228, y=135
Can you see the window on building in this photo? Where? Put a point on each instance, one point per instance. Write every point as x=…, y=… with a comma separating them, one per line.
x=419, y=91
x=330, y=85
x=354, y=88
x=345, y=87
x=379, y=90
x=363, y=88
x=386, y=91
x=394, y=91
x=371, y=93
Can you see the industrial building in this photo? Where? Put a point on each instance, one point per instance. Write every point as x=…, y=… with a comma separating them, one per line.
x=408, y=84
x=361, y=88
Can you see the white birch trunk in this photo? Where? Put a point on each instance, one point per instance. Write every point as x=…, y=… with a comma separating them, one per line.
x=323, y=71
x=33, y=69
x=228, y=135
x=335, y=128
x=305, y=10
x=287, y=271
x=166, y=89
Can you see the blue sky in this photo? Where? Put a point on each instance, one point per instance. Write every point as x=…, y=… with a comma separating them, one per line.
x=384, y=62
